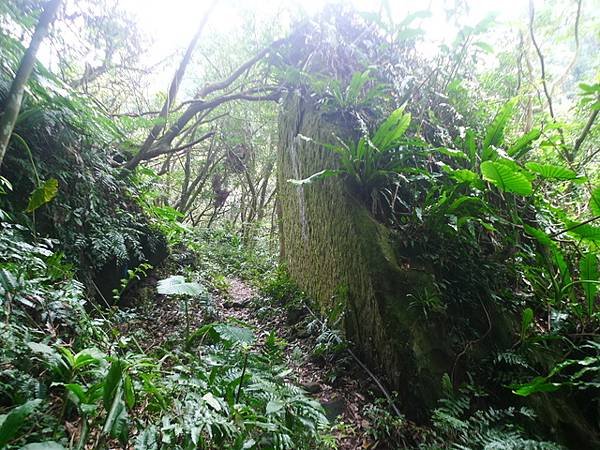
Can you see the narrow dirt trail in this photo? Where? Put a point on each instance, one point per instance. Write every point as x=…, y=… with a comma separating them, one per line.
x=337, y=383
x=337, y=388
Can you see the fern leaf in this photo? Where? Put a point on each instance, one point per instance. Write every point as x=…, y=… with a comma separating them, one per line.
x=235, y=334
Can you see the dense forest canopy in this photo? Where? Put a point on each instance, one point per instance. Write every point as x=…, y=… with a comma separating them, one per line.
x=299, y=225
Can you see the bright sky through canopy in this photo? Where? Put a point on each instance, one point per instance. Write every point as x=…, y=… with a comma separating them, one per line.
x=172, y=23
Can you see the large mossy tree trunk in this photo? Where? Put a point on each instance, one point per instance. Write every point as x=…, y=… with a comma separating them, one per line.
x=337, y=253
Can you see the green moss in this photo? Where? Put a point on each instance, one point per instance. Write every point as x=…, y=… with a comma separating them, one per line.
x=329, y=239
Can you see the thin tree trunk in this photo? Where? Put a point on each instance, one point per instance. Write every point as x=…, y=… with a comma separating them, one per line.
x=17, y=89
x=173, y=89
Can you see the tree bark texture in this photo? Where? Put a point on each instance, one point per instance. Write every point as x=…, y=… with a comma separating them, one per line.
x=337, y=252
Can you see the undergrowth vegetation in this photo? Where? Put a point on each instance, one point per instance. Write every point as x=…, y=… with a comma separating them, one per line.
x=214, y=387
x=128, y=219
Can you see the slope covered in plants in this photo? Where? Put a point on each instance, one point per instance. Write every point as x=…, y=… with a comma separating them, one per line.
x=333, y=229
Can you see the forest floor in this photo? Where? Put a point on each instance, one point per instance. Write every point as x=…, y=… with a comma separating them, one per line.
x=337, y=383
x=342, y=396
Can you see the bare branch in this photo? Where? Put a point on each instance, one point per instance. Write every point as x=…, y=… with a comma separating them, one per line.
x=163, y=150
x=584, y=133
x=165, y=142
x=239, y=71
x=196, y=108
x=172, y=94
x=541, y=58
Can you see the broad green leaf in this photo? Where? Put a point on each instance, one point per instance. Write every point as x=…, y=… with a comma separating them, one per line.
x=589, y=89
x=43, y=194
x=453, y=153
x=494, y=135
x=505, y=178
x=464, y=175
x=79, y=394
x=588, y=272
x=68, y=355
x=316, y=176
x=15, y=419
x=538, y=384
x=470, y=145
x=526, y=321
x=552, y=171
x=523, y=144
x=539, y=235
x=86, y=357
x=584, y=231
x=466, y=203
x=176, y=285
x=128, y=391
x=391, y=130
x=112, y=381
x=356, y=84
x=116, y=424
x=595, y=201
x=516, y=167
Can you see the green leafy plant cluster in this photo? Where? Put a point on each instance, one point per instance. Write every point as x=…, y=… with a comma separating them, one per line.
x=459, y=424
x=64, y=185
x=232, y=395
x=223, y=392
x=480, y=215
x=369, y=163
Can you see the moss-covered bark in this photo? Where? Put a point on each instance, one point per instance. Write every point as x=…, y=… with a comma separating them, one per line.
x=336, y=251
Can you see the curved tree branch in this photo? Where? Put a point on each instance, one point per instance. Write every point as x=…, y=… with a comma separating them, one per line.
x=541, y=58
x=157, y=147
x=172, y=94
